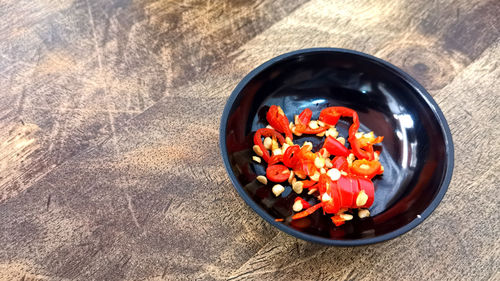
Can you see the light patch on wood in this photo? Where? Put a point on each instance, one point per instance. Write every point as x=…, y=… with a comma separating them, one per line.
x=17, y=144
x=19, y=271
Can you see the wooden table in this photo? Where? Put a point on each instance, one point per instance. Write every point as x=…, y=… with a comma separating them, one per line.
x=109, y=137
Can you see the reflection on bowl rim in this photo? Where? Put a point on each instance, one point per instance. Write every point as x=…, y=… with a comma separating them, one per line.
x=308, y=237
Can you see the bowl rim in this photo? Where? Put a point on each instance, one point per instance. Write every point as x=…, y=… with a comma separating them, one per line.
x=322, y=240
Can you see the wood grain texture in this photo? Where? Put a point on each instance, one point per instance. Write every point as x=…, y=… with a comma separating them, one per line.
x=98, y=174
x=81, y=69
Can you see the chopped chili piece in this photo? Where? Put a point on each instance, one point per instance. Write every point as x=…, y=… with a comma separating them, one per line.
x=343, y=184
x=335, y=147
x=366, y=168
x=277, y=119
x=277, y=173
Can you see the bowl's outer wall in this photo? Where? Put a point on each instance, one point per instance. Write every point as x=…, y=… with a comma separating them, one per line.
x=417, y=151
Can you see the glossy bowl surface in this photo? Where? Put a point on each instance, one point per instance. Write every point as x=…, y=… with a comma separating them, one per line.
x=417, y=151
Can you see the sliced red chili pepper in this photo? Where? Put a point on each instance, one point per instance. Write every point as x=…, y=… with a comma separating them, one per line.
x=277, y=173
x=305, y=204
x=323, y=179
x=310, y=131
x=305, y=153
x=303, y=120
x=329, y=187
x=272, y=118
x=308, y=183
x=335, y=147
x=307, y=166
x=359, y=152
x=266, y=132
x=315, y=186
x=307, y=212
x=340, y=163
x=299, y=173
x=367, y=186
x=366, y=168
x=291, y=156
x=329, y=116
x=353, y=129
x=336, y=197
x=345, y=187
x=275, y=159
x=365, y=141
x=337, y=220
x=305, y=116
x=278, y=120
x=300, y=128
x=378, y=139
x=355, y=188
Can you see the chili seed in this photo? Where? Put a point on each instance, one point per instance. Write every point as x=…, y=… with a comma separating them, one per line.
x=363, y=213
x=262, y=179
x=274, y=144
x=315, y=177
x=313, y=125
x=278, y=189
x=325, y=197
x=364, y=167
x=257, y=150
x=297, y=206
x=268, y=142
x=346, y=217
x=334, y=174
x=298, y=187
x=332, y=132
x=308, y=144
x=361, y=199
x=291, y=177
x=256, y=159
x=319, y=162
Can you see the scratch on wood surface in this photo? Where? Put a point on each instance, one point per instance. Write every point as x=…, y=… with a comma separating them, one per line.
x=102, y=75
x=85, y=110
x=126, y=261
x=167, y=206
x=48, y=201
x=132, y=212
x=94, y=35
x=165, y=270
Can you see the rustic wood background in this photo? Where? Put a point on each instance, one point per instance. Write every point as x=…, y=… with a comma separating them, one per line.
x=109, y=119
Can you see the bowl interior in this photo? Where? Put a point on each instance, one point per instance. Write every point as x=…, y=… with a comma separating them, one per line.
x=413, y=153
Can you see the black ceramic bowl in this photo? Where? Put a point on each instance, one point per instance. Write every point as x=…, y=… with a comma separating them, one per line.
x=417, y=151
